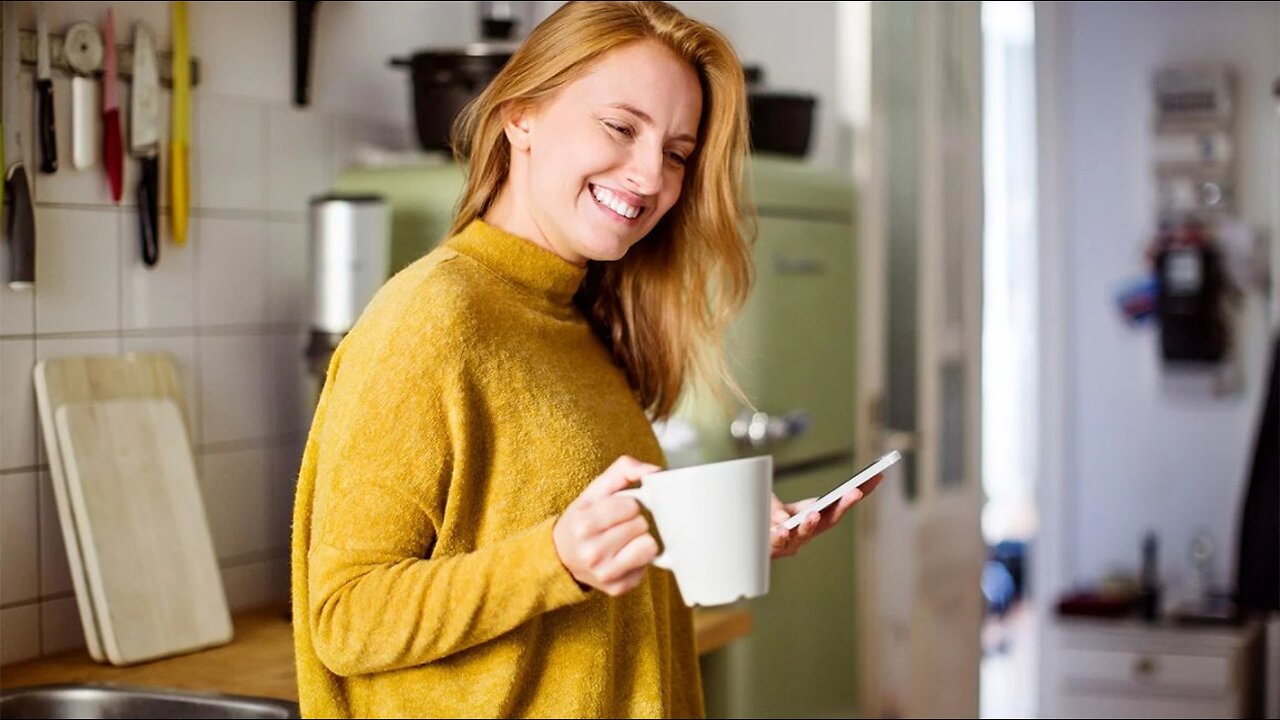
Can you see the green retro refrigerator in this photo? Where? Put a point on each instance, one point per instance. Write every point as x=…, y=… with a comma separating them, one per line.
x=792, y=352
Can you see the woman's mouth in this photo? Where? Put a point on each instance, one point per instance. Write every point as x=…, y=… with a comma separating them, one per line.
x=614, y=206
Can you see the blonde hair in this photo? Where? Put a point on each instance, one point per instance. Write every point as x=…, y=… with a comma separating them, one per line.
x=663, y=308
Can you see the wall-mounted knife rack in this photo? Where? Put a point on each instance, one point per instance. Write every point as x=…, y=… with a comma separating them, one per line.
x=124, y=59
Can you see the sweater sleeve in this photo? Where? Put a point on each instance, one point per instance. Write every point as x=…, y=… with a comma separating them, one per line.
x=379, y=600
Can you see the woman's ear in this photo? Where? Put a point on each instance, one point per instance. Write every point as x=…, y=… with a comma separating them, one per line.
x=517, y=123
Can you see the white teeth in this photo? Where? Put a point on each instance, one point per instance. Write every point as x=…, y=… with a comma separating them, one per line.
x=614, y=203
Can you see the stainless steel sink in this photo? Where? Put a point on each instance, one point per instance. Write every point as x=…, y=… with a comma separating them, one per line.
x=123, y=701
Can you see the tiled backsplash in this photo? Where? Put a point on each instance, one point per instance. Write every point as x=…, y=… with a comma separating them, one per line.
x=231, y=305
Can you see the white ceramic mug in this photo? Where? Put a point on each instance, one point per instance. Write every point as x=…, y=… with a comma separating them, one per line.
x=713, y=521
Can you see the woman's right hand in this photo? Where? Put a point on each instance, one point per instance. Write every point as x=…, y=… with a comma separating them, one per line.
x=602, y=538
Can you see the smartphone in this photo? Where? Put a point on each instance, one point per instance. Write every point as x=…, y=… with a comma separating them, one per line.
x=863, y=475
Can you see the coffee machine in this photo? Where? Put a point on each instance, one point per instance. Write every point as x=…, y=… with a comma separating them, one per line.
x=349, y=244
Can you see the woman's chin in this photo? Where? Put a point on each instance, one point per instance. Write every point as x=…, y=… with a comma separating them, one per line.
x=603, y=248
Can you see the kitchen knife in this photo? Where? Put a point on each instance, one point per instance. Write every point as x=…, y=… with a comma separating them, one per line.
x=112, y=149
x=179, y=189
x=44, y=96
x=19, y=221
x=82, y=48
x=144, y=139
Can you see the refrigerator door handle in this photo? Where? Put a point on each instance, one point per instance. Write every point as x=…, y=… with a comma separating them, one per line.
x=757, y=430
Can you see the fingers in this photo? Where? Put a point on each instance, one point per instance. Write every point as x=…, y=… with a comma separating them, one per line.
x=602, y=538
x=846, y=503
x=604, y=514
x=613, y=540
x=625, y=584
x=778, y=516
x=797, y=506
x=626, y=569
x=637, y=554
x=787, y=542
x=619, y=475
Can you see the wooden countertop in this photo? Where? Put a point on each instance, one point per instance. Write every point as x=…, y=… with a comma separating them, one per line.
x=259, y=661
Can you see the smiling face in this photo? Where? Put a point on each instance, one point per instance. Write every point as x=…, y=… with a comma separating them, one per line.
x=599, y=163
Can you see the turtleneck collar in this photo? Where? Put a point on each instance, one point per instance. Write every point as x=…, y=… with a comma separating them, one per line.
x=520, y=262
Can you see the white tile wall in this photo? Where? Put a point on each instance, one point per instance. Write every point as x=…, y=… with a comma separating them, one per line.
x=237, y=502
x=256, y=584
x=237, y=390
x=19, y=533
x=232, y=138
x=17, y=307
x=60, y=626
x=163, y=295
x=19, y=633
x=289, y=299
x=298, y=161
x=244, y=48
x=231, y=305
x=77, y=270
x=233, y=274
x=55, y=573
x=17, y=404
x=291, y=412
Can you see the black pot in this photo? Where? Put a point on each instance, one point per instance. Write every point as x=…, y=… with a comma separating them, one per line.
x=444, y=81
x=780, y=123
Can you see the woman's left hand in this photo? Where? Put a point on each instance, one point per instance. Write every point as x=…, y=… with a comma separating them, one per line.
x=789, y=542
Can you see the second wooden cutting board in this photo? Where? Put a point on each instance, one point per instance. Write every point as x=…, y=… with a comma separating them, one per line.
x=148, y=552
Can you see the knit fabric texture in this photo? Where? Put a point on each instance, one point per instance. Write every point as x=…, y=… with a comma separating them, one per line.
x=466, y=409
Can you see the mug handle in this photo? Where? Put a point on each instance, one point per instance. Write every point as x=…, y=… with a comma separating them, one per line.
x=641, y=497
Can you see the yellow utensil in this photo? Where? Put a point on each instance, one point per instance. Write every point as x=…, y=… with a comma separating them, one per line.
x=179, y=179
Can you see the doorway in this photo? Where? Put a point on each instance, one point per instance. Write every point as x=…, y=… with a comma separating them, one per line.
x=1009, y=351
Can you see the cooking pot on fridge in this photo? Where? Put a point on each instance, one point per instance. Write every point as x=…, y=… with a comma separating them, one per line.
x=445, y=80
x=781, y=122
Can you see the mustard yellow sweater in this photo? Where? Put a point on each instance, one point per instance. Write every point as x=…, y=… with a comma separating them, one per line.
x=470, y=404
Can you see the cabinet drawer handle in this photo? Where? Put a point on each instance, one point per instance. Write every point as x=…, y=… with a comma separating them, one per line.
x=1144, y=666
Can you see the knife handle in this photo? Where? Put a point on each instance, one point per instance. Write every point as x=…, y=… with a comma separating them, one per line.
x=48, y=135
x=304, y=13
x=179, y=192
x=148, y=205
x=113, y=152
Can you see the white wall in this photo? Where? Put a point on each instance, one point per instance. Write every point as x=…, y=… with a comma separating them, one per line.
x=1137, y=458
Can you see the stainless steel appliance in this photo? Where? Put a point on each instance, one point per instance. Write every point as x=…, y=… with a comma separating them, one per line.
x=349, y=246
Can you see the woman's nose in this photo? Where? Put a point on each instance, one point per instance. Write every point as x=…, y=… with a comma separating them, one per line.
x=644, y=171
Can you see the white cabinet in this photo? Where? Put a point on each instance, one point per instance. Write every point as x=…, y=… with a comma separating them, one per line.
x=1127, y=668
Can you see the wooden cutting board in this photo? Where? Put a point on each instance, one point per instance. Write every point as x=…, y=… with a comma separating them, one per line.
x=147, y=550
x=84, y=379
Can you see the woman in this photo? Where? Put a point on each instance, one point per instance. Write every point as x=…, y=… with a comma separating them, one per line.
x=458, y=548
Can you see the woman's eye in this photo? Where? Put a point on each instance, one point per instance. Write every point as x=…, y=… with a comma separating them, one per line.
x=620, y=129
x=677, y=158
